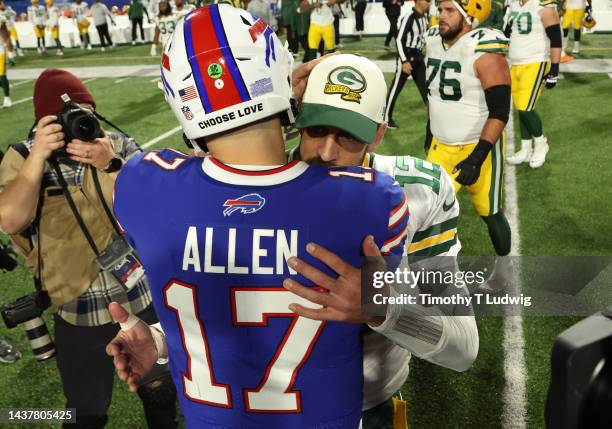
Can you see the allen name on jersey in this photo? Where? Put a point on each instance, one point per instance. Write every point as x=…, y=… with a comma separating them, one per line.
x=283, y=244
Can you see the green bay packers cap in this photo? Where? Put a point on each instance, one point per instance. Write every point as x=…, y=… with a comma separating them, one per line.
x=345, y=91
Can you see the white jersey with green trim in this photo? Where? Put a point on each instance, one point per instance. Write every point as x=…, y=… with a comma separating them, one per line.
x=433, y=208
x=322, y=15
x=528, y=40
x=37, y=15
x=457, y=105
x=53, y=16
x=79, y=11
x=576, y=4
x=7, y=16
x=451, y=342
x=434, y=211
x=166, y=25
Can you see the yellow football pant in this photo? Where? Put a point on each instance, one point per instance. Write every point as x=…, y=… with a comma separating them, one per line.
x=2, y=62
x=527, y=84
x=318, y=32
x=573, y=16
x=55, y=32
x=39, y=31
x=13, y=33
x=83, y=26
x=487, y=191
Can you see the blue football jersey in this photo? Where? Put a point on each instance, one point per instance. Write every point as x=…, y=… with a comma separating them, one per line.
x=214, y=241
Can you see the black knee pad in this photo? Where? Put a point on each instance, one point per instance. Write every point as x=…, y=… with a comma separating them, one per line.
x=157, y=389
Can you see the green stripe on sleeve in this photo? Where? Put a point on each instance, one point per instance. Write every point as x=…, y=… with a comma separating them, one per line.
x=434, y=250
x=435, y=229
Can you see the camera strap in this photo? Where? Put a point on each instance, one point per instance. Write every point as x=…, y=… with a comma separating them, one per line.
x=79, y=219
x=125, y=266
x=107, y=209
x=102, y=118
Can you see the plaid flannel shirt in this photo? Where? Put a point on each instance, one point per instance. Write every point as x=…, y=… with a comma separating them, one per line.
x=91, y=308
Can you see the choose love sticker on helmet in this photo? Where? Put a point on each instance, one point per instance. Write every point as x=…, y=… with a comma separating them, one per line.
x=346, y=81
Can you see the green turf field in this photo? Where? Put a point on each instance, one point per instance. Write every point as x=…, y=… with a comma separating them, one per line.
x=563, y=210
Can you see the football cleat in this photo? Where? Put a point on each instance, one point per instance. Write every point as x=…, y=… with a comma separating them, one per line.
x=566, y=58
x=540, y=149
x=20, y=52
x=8, y=354
x=59, y=52
x=500, y=280
x=523, y=155
x=392, y=124
x=7, y=102
x=576, y=49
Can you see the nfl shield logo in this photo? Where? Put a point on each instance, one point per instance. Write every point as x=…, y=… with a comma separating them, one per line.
x=187, y=113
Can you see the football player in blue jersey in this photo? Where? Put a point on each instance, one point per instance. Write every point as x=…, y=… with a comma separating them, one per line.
x=330, y=136
x=217, y=237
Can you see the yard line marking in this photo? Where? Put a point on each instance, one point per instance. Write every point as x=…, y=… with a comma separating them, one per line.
x=155, y=79
x=161, y=137
x=514, y=414
x=90, y=80
x=123, y=79
x=21, y=83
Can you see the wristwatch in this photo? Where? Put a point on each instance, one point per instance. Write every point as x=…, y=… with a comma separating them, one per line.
x=113, y=165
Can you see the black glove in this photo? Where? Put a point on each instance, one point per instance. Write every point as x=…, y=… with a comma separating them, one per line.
x=428, y=137
x=552, y=76
x=588, y=9
x=470, y=166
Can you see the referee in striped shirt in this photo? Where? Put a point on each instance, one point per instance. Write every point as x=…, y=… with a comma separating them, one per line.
x=410, y=60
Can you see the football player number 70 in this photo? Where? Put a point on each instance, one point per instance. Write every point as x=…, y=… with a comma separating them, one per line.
x=250, y=307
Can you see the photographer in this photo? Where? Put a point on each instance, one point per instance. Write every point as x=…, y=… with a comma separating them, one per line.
x=54, y=200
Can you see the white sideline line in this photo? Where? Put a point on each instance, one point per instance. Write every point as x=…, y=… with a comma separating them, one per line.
x=514, y=414
x=23, y=82
x=160, y=137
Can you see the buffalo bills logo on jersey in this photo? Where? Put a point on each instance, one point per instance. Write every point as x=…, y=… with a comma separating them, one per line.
x=246, y=204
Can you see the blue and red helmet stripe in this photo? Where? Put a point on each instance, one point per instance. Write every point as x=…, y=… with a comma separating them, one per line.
x=207, y=44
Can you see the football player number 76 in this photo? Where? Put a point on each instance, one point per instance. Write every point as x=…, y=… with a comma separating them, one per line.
x=250, y=307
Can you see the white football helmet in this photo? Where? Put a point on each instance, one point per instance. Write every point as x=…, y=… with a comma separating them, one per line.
x=224, y=68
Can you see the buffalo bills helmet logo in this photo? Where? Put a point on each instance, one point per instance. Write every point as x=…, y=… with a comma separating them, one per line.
x=247, y=204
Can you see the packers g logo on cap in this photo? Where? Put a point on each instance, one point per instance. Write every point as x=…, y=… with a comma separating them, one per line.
x=346, y=81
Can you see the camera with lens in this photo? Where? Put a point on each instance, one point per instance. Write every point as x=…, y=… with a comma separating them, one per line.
x=77, y=123
x=27, y=310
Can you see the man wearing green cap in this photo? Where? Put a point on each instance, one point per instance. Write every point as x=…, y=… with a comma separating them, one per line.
x=341, y=120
